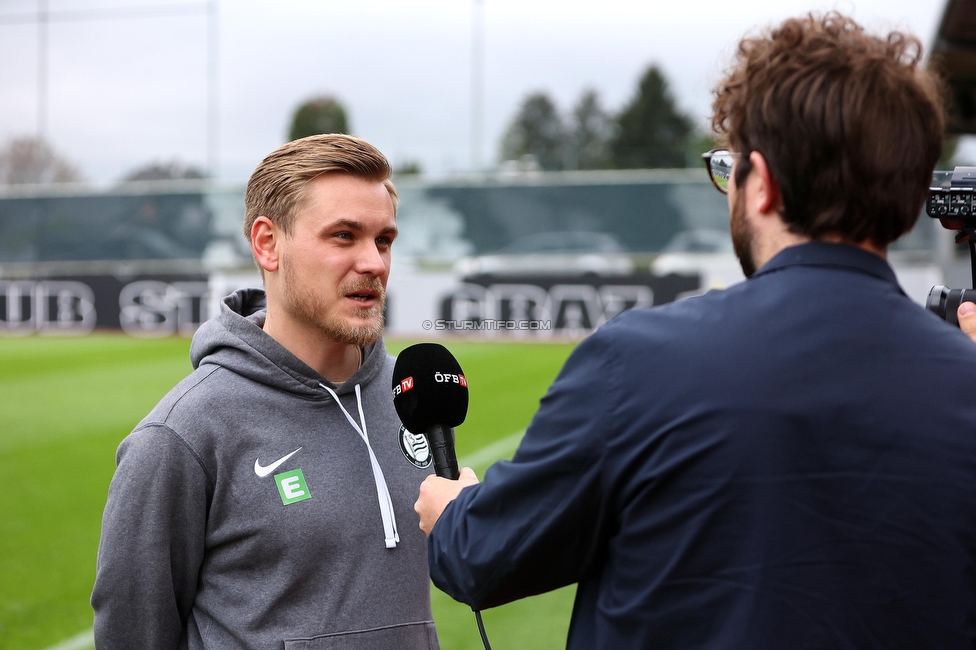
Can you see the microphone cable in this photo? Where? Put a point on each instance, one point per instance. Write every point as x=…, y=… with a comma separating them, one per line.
x=481, y=628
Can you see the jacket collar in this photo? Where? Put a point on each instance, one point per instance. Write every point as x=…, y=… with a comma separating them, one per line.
x=823, y=254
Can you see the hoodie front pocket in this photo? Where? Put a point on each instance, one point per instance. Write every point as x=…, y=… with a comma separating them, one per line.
x=409, y=636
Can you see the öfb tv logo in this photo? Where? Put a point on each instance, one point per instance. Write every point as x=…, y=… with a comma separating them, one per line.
x=448, y=377
x=403, y=386
x=439, y=377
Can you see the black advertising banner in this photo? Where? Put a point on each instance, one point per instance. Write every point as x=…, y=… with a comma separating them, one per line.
x=560, y=304
x=141, y=305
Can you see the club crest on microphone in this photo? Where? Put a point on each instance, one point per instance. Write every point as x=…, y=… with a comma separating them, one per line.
x=415, y=448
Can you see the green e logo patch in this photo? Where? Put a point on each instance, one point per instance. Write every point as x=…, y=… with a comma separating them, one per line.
x=292, y=487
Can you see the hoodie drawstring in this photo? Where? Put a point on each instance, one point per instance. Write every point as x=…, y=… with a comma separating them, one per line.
x=382, y=491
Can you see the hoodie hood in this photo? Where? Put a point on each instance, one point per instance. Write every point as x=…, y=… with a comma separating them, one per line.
x=235, y=340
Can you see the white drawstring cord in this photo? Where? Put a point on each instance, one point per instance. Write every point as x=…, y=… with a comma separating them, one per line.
x=382, y=491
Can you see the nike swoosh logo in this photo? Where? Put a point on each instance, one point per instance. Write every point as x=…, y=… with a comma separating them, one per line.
x=264, y=471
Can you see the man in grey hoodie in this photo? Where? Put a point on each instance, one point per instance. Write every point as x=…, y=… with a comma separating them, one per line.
x=257, y=505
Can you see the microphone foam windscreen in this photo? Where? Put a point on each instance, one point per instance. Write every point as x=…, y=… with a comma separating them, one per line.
x=429, y=388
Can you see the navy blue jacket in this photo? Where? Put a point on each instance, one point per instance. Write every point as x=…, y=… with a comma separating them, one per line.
x=789, y=463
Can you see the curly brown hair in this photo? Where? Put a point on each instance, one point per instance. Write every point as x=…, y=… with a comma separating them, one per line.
x=850, y=124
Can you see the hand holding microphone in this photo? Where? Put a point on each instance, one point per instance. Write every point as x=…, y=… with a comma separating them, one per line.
x=436, y=493
x=430, y=394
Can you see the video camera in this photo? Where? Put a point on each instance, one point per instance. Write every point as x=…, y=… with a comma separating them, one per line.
x=952, y=200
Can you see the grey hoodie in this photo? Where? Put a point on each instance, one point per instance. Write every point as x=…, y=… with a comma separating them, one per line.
x=208, y=541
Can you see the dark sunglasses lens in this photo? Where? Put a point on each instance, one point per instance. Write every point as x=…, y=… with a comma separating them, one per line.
x=720, y=166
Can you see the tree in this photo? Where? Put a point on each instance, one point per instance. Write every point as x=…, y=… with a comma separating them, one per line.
x=536, y=130
x=950, y=144
x=651, y=131
x=591, y=131
x=159, y=171
x=32, y=160
x=698, y=143
x=318, y=115
x=408, y=168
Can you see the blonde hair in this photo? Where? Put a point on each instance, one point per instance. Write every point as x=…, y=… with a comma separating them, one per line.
x=276, y=189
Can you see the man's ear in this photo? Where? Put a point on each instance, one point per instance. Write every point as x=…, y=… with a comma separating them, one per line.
x=264, y=243
x=768, y=198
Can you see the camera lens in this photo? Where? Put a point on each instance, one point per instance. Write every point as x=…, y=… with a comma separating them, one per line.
x=936, y=301
x=944, y=302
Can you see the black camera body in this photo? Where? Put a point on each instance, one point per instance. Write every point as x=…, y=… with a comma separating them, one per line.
x=952, y=200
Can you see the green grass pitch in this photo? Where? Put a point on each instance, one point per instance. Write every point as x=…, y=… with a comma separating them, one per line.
x=66, y=403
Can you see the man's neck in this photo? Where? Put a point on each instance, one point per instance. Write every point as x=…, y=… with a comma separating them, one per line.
x=335, y=361
x=778, y=239
x=880, y=251
x=771, y=242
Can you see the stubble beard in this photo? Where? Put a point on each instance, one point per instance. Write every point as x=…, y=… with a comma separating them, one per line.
x=307, y=308
x=743, y=236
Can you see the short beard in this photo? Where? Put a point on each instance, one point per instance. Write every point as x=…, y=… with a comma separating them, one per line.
x=743, y=236
x=304, y=307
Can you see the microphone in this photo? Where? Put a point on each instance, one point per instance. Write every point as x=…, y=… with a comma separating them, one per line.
x=430, y=395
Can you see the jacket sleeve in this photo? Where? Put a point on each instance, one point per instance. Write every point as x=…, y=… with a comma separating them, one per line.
x=539, y=521
x=152, y=542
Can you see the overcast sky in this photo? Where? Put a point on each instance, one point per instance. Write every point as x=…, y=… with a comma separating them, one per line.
x=125, y=92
